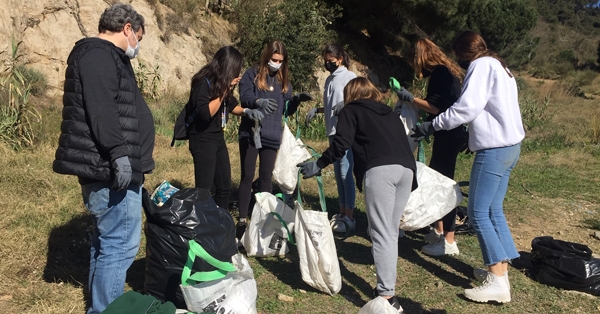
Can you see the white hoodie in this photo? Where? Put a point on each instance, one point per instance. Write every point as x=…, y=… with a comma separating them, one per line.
x=489, y=103
x=334, y=93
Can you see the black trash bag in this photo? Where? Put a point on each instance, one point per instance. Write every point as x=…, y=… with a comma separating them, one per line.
x=566, y=265
x=188, y=214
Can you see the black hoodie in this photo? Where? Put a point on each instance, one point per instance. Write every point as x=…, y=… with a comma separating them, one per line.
x=376, y=135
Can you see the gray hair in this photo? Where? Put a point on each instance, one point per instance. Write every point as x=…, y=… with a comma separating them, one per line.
x=115, y=17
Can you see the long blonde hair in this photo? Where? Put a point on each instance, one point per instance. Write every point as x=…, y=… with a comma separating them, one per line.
x=428, y=55
x=360, y=88
x=283, y=72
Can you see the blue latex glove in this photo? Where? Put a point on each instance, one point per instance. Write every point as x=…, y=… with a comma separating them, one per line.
x=422, y=131
x=122, y=173
x=269, y=105
x=254, y=114
x=337, y=108
x=309, y=116
x=309, y=169
x=405, y=95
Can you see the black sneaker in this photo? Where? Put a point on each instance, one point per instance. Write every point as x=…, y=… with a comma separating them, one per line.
x=240, y=228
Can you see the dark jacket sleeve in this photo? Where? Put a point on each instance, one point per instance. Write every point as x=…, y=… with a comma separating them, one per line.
x=200, y=99
x=342, y=140
x=100, y=85
x=292, y=101
x=248, y=89
x=439, y=87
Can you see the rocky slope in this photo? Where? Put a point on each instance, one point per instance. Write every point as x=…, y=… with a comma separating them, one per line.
x=48, y=30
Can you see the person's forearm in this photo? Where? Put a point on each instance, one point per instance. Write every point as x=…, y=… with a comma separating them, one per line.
x=238, y=111
x=426, y=106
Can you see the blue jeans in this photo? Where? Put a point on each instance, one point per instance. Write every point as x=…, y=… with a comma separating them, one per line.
x=117, y=220
x=344, y=179
x=487, y=188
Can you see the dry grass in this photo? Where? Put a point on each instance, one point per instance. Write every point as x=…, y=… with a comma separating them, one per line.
x=45, y=230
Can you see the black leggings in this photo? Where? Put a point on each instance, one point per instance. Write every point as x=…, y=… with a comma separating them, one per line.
x=446, y=146
x=211, y=165
x=248, y=155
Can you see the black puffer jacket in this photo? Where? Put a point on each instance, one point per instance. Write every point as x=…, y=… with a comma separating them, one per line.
x=102, y=115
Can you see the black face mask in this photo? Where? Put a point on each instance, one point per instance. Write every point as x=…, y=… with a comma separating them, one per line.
x=464, y=64
x=426, y=73
x=331, y=66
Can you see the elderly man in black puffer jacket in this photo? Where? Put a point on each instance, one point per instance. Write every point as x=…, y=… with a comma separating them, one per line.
x=107, y=139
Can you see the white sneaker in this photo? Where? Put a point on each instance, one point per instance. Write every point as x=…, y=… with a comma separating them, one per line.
x=493, y=288
x=433, y=236
x=340, y=226
x=441, y=247
x=481, y=275
x=334, y=219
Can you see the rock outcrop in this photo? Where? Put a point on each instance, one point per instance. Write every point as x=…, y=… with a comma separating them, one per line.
x=48, y=30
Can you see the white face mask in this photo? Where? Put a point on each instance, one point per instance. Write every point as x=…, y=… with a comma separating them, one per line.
x=132, y=52
x=273, y=67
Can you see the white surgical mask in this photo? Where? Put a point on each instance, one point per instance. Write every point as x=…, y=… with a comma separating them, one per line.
x=273, y=67
x=132, y=52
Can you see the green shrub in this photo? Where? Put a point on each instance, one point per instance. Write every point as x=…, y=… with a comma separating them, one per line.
x=15, y=111
x=37, y=81
x=148, y=80
x=534, y=113
x=300, y=24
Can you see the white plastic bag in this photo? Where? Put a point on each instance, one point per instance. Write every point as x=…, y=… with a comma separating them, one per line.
x=291, y=152
x=235, y=293
x=436, y=196
x=409, y=114
x=266, y=235
x=378, y=305
x=319, y=263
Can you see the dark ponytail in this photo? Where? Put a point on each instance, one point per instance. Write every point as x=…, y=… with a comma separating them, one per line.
x=337, y=52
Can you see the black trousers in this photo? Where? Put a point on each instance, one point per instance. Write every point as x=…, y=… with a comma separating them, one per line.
x=211, y=165
x=248, y=156
x=446, y=146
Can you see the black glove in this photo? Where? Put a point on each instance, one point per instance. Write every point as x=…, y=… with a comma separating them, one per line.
x=254, y=114
x=256, y=135
x=269, y=105
x=309, y=116
x=302, y=97
x=405, y=95
x=337, y=108
x=122, y=172
x=422, y=131
x=309, y=169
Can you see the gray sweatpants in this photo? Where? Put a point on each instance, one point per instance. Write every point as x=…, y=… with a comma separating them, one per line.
x=387, y=189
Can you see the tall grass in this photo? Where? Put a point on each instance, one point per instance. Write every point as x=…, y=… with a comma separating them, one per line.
x=16, y=114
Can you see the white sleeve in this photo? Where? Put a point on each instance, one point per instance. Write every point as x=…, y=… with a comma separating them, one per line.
x=473, y=99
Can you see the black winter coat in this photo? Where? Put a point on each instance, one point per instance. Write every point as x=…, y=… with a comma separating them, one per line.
x=104, y=115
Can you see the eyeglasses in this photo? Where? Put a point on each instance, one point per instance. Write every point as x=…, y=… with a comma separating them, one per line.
x=276, y=60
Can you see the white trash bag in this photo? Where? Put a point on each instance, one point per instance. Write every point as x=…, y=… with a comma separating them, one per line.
x=379, y=305
x=319, y=264
x=266, y=235
x=409, y=114
x=291, y=152
x=235, y=293
x=436, y=196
